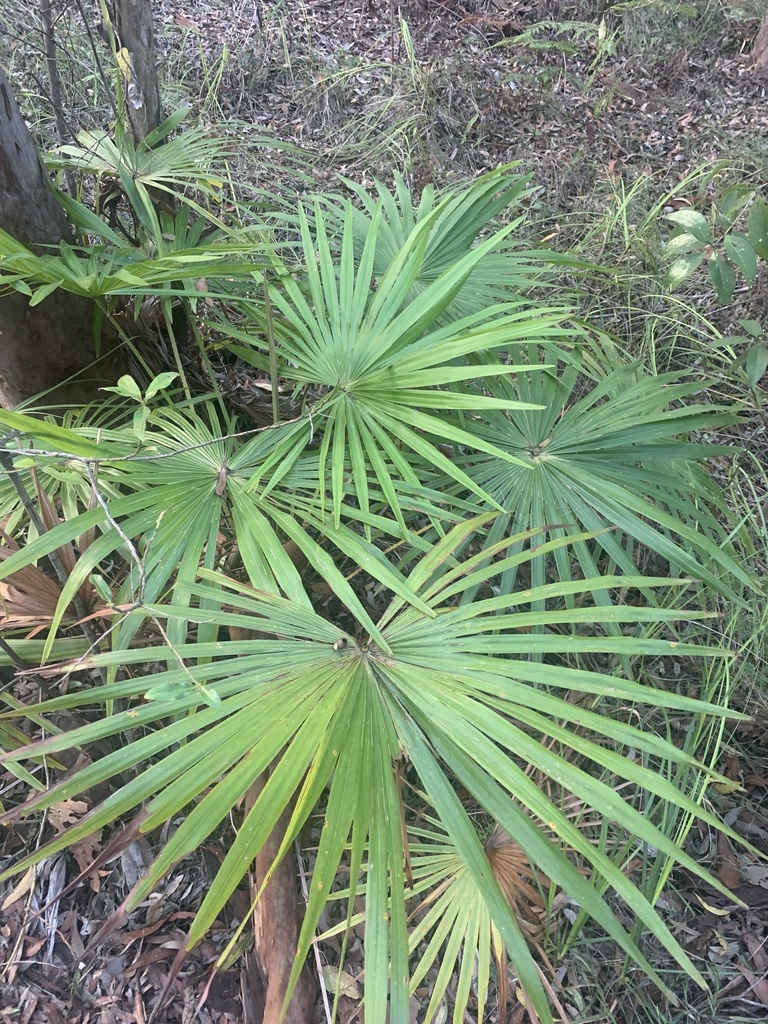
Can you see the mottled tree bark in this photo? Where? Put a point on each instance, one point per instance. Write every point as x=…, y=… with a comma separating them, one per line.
x=760, y=51
x=136, y=57
x=41, y=346
x=54, y=82
x=276, y=925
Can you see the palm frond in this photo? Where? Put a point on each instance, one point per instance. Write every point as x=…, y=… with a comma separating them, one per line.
x=458, y=221
x=617, y=459
x=455, y=689
x=378, y=367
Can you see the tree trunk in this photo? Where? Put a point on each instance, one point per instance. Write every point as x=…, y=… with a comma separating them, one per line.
x=276, y=926
x=136, y=57
x=54, y=83
x=760, y=51
x=41, y=346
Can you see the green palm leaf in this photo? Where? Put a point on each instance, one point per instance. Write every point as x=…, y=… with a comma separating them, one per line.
x=616, y=459
x=380, y=370
x=176, y=495
x=455, y=689
x=457, y=222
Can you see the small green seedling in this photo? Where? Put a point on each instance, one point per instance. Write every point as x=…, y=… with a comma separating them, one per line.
x=696, y=238
x=128, y=388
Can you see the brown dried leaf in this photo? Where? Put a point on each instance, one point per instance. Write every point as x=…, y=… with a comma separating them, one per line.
x=85, y=852
x=29, y=596
x=521, y=884
x=727, y=866
x=51, y=519
x=66, y=813
x=20, y=889
x=756, y=946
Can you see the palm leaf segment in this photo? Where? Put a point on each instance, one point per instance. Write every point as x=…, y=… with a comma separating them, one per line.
x=364, y=341
x=186, y=488
x=462, y=220
x=455, y=690
x=616, y=459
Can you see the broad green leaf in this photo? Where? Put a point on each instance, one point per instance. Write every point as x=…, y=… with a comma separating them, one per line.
x=159, y=383
x=684, y=243
x=723, y=277
x=694, y=223
x=757, y=228
x=756, y=364
x=741, y=252
x=682, y=269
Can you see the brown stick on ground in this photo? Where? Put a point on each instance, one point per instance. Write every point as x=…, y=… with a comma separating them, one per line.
x=276, y=926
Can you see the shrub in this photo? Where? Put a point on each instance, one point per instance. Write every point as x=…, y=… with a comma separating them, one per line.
x=414, y=585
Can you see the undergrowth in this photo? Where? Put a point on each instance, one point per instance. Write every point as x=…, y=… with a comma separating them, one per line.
x=459, y=576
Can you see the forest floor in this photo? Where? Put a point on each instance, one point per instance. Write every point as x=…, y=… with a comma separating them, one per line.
x=619, y=120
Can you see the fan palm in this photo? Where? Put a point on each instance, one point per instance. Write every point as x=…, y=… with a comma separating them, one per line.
x=458, y=222
x=371, y=357
x=434, y=637
x=452, y=687
x=612, y=455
